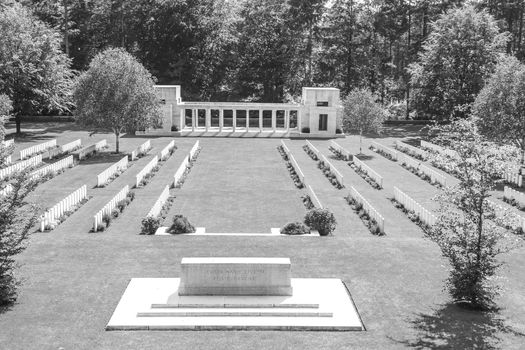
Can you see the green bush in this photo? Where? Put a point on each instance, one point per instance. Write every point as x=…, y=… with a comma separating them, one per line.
x=322, y=220
x=130, y=195
x=181, y=224
x=295, y=228
x=150, y=225
x=106, y=218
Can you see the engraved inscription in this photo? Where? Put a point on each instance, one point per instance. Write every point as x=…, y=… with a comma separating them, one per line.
x=233, y=275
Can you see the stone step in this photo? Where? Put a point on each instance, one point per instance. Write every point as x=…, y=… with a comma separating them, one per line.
x=234, y=314
x=234, y=306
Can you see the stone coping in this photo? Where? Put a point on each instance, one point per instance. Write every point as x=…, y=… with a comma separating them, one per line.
x=235, y=260
x=201, y=231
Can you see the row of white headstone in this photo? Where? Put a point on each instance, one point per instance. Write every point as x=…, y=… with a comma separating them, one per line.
x=514, y=178
x=185, y=163
x=164, y=153
x=119, y=166
x=346, y=154
x=379, y=147
x=57, y=166
x=294, y=163
x=313, y=197
x=147, y=169
x=51, y=216
x=368, y=208
x=512, y=194
x=410, y=204
x=144, y=148
x=84, y=152
x=40, y=148
x=19, y=166
x=112, y=204
x=369, y=171
x=333, y=169
x=159, y=203
x=436, y=148
x=434, y=176
x=410, y=150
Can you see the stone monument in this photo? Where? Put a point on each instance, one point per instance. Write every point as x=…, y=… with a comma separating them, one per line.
x=235, y=276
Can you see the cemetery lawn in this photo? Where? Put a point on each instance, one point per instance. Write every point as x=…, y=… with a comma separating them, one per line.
x=73, y=280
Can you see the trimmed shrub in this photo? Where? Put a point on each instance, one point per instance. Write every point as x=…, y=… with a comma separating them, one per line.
x=295, y=228
x=322, y=220
x=106, y=218
x=174, y=128
x=150, y=225
x=181, y=224
x=115, y=212
x=338, y=131
x=131, y=195
x=305, y=130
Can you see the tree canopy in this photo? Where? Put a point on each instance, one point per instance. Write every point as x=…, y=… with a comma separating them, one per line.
x=361, y=112
x=500, y=106
x=116, y=94
x=34, y=72
x=458, y=55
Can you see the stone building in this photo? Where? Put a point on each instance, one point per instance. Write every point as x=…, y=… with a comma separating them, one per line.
x=318, y=115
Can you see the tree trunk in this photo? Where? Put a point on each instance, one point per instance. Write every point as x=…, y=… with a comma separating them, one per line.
x=360, y=140
x=18, y=121
x=66, y=29
x=117, y=139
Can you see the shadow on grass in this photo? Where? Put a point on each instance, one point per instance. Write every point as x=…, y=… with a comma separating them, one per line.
x=362, y=156
x=454, y=327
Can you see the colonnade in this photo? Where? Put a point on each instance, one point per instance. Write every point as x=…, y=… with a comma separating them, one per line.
x=246, y=117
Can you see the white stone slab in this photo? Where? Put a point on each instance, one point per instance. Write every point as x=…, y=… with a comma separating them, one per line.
x=201, y=231
x=235, y=276
x=330, y=294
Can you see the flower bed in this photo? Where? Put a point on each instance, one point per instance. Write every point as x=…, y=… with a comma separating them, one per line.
x=116, y=211
x=382, y=152
x=367, y=220
x=412, y=216
x=193, y=159
x=329, y=174
x=307, y=201
x=364, y=175
x=311, y=153
x=296, y=180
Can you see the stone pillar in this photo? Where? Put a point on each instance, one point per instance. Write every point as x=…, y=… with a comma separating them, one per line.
x=234, y=116
x=208, y=118
x=287, y=120
x=196, y=117
x=274, y=120
x=192, y=120
x=299, y=119
x=260, y=120
x=221, y=119
x=182, y=114
x=247, y=120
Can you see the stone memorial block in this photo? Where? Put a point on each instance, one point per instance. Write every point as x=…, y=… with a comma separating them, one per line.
x=235, y=276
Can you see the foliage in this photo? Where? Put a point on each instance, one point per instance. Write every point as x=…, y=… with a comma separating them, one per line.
x=17, y=217
x=116, y=94
x=362, y=113
x=456, y=58
x=150, y=225
x=181, y=224
x=34, y=72
x=500, y=106
x=322, y=220
x=295, y=228
x=466, y=230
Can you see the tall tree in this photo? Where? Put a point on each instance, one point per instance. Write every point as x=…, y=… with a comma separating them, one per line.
x=467, y=231
x=17, y=216
x=266, y=48
x=500, y=106
x=361, y=112
x=34, y=72
x=116, y=94
x=458, y=55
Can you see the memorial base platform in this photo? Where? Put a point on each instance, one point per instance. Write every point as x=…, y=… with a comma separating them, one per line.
x=322, y=304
